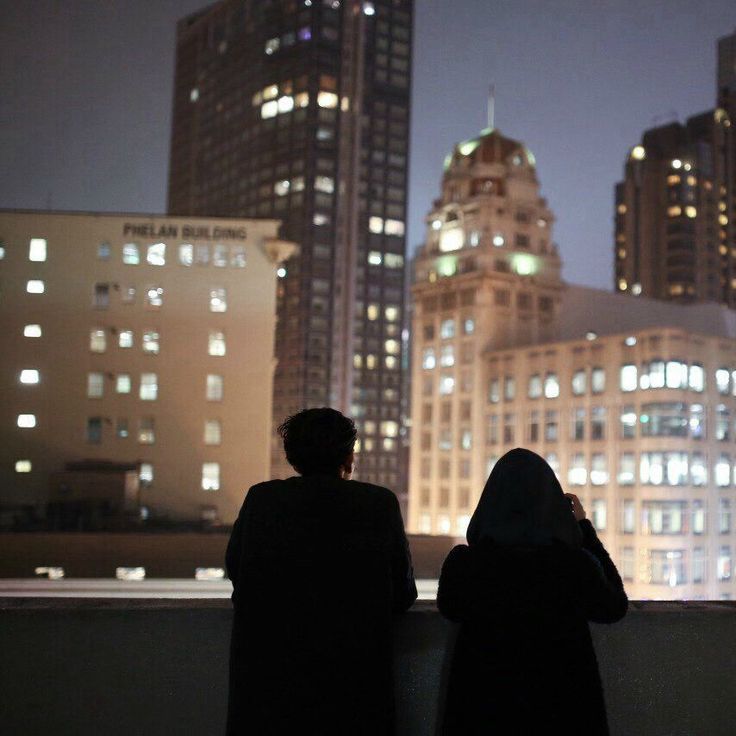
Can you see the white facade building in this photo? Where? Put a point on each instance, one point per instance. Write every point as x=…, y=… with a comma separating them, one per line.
x=632, y=401
x=143, y=339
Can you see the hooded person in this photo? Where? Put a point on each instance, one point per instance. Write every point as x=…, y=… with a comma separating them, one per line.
x=523, y=590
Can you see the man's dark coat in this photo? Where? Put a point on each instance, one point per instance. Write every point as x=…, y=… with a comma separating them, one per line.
x=319, y=565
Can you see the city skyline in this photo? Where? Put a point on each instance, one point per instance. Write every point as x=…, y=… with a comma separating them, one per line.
x=594, y=114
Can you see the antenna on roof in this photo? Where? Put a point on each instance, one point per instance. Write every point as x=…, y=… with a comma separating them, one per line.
x=491, y=106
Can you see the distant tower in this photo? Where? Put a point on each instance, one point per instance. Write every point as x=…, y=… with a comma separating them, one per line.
x=487, y=277
x=299, y=112
x=674, y=233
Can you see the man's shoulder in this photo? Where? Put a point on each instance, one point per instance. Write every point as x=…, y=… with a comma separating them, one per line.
x=378, y=493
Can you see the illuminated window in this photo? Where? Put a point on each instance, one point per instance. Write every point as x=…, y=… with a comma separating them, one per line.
x=447, y=385
x=131, y=255
x=154, y=296
x=628, y=378
x=121, y=428
x=156, y=255
x=394, y=227
x=627, y=469
x=551, y=386
x=723, y=563
x=723, y=471
x=447, y=356
x=146, y=431
x=428, y=359
x=674, y=211
x=269, y=109
x=723, y=380
x=97, y=341
x=214, y=388
x=32, y=331
x=26, y=421
x=219, y=256
x=663, y=468
x=447, y=329
x=598, y=469
x=125, y=339
x=212, y=432
x=468, y=326
x=186, y=254
x=23, y=466
x=151, y=342
x=577, y=474
x=696, y=378
x=123, y=383
x=216, y=345
x=145, y=475
x=598, y=513
x=149, y=387
x=628, y=516
x=237, y=256
x=392, y=347
x=373, y=311
x=375, y=258
x=320, y=219
x=95, y=385
x=29, y=376
x=324, y=184
x=127, y=295
x=579, y=380
x=509, y=388
x=210, y=476
x=327, y=99
x=37, y=250
x=375, y=224
x=218, y=300
x=535, y=386
x=391, y=313
x=35, y=286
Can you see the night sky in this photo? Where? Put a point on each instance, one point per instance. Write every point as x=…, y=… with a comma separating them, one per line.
x=85, y=98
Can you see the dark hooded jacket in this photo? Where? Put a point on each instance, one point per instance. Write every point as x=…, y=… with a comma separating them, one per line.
x=319, y=565
x=523, y=590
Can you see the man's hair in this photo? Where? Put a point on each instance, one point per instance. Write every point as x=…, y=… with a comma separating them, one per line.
x=317, y=441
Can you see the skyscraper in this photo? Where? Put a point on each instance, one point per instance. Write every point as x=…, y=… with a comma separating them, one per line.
x=674, y=233
x=299, y=111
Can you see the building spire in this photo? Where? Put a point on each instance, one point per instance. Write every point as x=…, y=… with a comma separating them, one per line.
x=491, y=106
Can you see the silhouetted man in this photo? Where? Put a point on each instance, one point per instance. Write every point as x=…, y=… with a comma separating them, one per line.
x=319, y=563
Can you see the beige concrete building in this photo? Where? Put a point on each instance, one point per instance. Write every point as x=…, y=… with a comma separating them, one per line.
x=138, y=338
x=632, y=401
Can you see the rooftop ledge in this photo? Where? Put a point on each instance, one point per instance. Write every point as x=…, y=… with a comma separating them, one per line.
x=159, y=666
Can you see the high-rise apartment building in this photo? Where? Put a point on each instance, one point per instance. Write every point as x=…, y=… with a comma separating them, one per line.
x=141, y=341
x=299, y=110
x=631, y=401
x=674, y=231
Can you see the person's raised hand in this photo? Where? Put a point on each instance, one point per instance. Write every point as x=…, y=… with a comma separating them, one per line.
x=577, y=507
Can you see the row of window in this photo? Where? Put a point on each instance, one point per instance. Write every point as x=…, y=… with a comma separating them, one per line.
x=146, y=430
x=150, y=341
x=210, y=472
x=652, y=375
x=656, y=419
x=155, y=253
x=148, y=388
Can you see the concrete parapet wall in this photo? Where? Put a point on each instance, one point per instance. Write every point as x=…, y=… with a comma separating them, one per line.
x=81, y=667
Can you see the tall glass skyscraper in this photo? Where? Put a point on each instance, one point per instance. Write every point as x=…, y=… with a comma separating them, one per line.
x=298, y=110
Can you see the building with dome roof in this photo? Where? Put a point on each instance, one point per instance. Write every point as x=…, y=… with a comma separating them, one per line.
x=631, y=401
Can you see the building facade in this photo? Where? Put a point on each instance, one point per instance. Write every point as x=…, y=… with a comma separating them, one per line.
x=138, y=339
x=631, y=401
x=674, y=232
x=300, y=111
